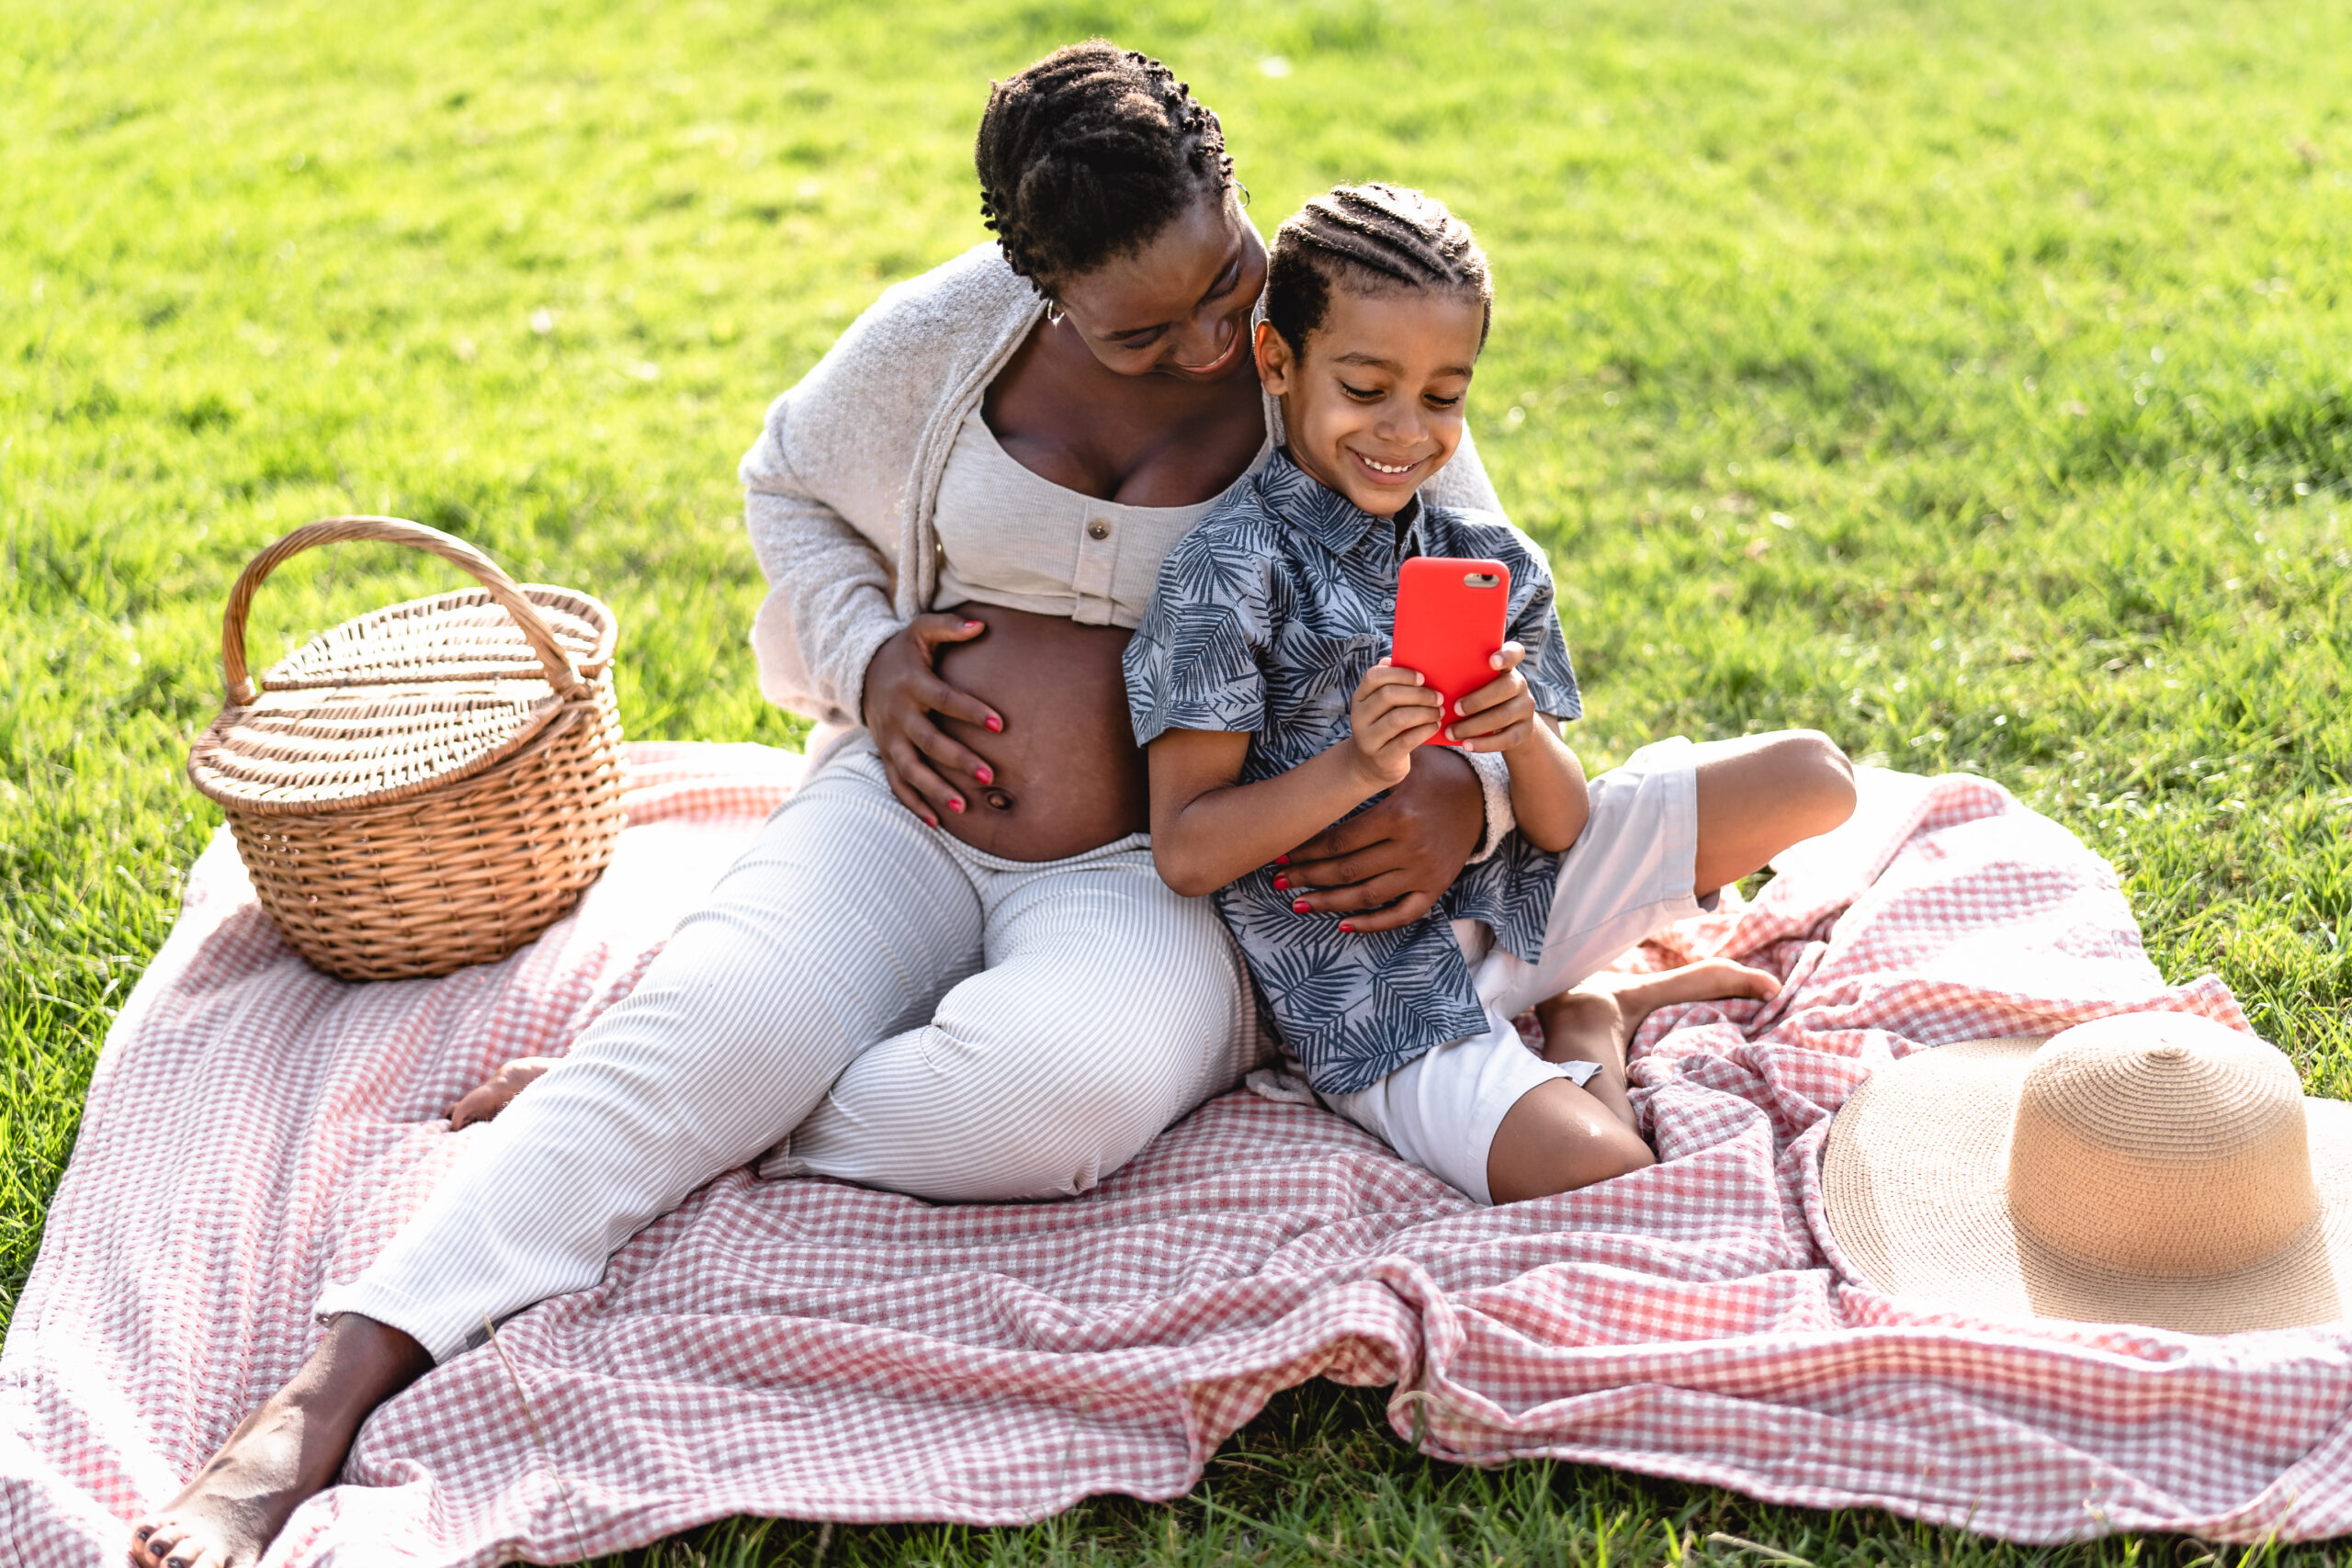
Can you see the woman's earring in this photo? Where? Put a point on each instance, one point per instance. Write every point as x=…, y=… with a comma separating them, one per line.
x=1244, y=190
x=1053, y=312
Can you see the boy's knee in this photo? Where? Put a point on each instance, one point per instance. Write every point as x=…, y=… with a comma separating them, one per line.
x=1821, y=776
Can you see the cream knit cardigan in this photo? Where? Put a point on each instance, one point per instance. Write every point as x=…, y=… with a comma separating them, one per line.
x=841, y=486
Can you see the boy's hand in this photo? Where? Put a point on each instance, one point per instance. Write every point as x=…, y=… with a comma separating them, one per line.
x=1501, y=714
x=1391, y=713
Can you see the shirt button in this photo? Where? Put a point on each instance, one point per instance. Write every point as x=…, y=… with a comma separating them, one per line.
x=1098, y=529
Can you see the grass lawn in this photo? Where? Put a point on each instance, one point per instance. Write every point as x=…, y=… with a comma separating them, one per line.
x=1972, y=381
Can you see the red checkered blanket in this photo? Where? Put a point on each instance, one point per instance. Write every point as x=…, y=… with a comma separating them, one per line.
x=817, y=1350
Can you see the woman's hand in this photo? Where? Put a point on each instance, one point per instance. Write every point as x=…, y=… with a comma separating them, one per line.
x=1403, y=852
x=1500, y=714
x=902, y=691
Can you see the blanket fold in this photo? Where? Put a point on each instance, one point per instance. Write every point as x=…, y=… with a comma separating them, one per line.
x=812, y=1349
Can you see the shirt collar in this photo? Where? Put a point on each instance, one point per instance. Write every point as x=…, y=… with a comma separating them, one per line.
x=1327, y=517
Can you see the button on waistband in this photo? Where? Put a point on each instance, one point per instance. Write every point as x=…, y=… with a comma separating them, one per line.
x=1098, y=529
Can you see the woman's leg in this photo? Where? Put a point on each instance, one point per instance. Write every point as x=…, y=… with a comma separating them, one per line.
x=841, y=927
x=1109, y=1009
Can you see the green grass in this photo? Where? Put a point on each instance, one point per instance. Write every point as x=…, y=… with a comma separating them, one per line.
x=1972, y=381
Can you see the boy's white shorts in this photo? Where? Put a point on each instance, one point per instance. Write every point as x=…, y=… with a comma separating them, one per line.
x=1629, y=873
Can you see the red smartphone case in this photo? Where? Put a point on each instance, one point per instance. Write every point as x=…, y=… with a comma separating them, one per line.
x=1452, y=614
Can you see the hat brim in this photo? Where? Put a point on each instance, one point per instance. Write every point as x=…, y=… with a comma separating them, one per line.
x=1914, y=1182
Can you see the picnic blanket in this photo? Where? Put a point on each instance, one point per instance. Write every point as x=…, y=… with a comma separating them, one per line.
x=813, y=1349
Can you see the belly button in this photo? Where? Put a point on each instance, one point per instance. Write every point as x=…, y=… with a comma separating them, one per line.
x=996, y=799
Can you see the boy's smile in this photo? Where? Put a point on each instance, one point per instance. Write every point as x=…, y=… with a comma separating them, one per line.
x=1374, y=407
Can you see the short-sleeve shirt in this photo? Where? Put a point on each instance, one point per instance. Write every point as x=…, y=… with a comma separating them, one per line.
x=1264, y=619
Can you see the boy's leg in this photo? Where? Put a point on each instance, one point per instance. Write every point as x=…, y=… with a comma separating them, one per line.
x=1671, y=827
x=1492, y=1118
x=1760, y=794
x=1556, y=1138
x=1595, y=1023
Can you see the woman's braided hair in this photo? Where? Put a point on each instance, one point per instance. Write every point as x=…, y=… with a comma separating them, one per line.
x=1088, y=154
x=1368, y=238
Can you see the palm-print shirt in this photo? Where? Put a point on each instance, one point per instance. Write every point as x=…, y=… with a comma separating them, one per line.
x=1264, y=619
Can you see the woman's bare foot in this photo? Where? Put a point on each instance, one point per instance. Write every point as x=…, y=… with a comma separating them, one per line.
x=492, y=1095
x=1595, y=1021
x=286, y=1453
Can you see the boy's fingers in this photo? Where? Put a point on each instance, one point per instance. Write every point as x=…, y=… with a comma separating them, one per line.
x=1501, y=689
x=1381, y=723
x=1502, y=715
x=1384, y=699
x=1403, y=912
x=1387, y=675
x=1507, y=656
x=1517, y=735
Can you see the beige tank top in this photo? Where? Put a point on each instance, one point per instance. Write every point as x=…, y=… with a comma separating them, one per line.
x=1012, y=537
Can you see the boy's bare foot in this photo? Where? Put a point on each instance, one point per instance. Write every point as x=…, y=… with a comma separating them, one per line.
x=494, y=1093
x=1595, y=1021
x=286, y=1453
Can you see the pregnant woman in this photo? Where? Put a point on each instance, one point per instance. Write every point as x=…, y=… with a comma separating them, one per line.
x=947, y=967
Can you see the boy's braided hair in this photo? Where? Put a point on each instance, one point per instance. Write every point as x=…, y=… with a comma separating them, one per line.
x=1088, y=154
x=1368, y=238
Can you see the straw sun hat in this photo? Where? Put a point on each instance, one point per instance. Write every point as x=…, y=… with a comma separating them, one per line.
x=2150, y=1168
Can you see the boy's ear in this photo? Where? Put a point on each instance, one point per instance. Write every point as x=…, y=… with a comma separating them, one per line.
x=1274, y=359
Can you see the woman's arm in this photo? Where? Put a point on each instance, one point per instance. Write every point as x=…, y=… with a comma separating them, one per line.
x=827, y=607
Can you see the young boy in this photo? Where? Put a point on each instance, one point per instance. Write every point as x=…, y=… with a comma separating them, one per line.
x=1258, y=681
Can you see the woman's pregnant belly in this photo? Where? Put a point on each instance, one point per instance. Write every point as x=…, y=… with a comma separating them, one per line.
x=1068, y=776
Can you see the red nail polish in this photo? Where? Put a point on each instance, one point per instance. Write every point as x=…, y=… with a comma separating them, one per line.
x=1345, y=927
x=1281, y=860
x=955, y=805
x=996, y=725
x=971, y=625
x=1300, y=907
x=1282, y=883
x=985, y=776
x=932, y=820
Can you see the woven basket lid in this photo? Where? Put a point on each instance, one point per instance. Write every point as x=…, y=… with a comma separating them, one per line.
x=399, y=700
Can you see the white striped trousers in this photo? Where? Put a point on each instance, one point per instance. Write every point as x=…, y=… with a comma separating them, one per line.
x=869, y=998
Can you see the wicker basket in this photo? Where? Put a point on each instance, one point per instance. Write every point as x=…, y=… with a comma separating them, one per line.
x=428, y=786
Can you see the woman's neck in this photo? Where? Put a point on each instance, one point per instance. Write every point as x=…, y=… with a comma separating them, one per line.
x=1153, y=440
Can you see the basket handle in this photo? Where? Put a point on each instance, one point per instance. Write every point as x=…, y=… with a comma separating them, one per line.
x=243, y=689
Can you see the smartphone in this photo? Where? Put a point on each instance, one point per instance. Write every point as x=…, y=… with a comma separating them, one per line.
x=1451, y=614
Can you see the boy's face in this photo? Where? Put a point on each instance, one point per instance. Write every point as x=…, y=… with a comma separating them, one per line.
x=1374, y=407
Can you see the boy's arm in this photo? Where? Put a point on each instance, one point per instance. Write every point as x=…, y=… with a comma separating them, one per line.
x=1547, y=787
x=1207, y=830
